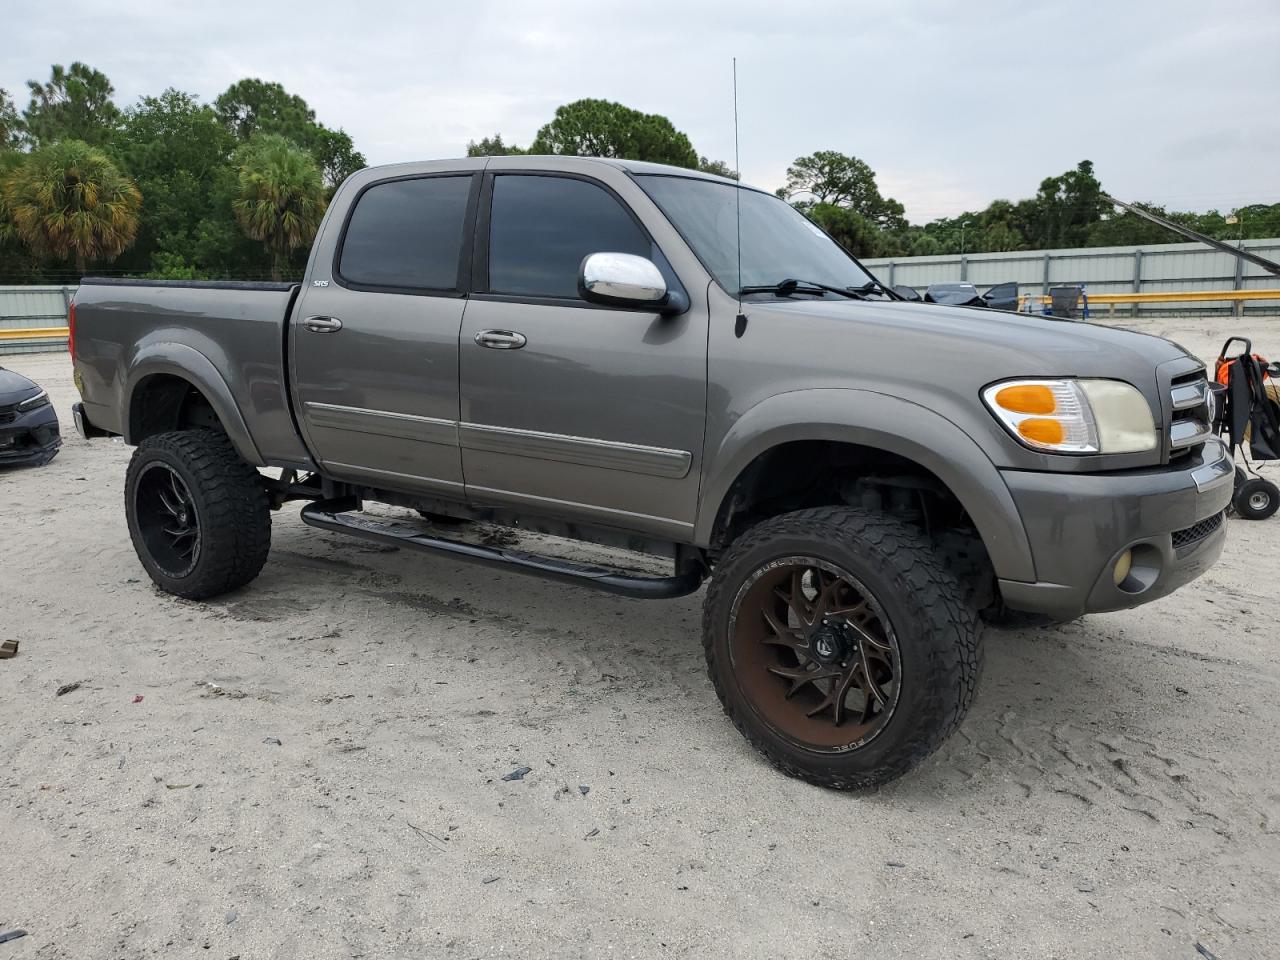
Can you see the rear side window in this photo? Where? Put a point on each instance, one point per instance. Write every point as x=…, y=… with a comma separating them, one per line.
x=541, y=228
x=407, y=234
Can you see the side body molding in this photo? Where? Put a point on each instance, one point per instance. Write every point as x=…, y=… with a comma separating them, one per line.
x=885, y=423
x=188, y=363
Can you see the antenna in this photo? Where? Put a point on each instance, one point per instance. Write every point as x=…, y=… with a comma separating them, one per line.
x=740, y=324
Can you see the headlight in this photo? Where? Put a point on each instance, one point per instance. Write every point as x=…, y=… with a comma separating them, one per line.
x=1074, y=416
x=31, y=403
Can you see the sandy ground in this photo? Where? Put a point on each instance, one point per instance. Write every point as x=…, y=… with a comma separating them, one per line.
x=1115, y=791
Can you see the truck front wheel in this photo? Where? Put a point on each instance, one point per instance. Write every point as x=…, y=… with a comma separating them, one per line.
x=840, y=645
x=198, y=515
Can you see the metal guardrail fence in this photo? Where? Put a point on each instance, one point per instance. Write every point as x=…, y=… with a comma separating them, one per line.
x=1103, y=271
x=42, y=307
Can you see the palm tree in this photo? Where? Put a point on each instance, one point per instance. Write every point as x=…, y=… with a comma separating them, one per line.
x=281, y=196
x=68, y=200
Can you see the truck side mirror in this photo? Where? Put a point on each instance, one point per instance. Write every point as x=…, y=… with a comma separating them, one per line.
x=905, y=292
x=622, y=280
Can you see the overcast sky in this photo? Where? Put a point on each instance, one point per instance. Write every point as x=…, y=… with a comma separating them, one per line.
x=953, y=104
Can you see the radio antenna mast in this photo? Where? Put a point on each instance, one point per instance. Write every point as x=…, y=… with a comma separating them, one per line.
x=740, y=324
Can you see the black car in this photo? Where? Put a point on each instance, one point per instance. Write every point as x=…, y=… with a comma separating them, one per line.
x=29, y=431
x=1003, y=296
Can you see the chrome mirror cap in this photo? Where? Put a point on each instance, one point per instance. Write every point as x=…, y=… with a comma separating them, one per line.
x=621, y=279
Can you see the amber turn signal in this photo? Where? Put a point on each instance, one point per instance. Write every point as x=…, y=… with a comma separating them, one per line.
x=1040, y=430
x=1027, y=398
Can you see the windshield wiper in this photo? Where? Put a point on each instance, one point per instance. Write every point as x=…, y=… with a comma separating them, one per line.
x=786, y=288
x=871, y=286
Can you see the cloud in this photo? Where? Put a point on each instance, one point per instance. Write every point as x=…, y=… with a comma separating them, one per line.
x=954, y=104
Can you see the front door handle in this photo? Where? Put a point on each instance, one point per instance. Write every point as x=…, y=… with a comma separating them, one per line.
x=501, y=339
x=322, y=324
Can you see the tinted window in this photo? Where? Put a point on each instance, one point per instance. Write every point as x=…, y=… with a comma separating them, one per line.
x=541, y=228
x=407, y=233
x=777, y=241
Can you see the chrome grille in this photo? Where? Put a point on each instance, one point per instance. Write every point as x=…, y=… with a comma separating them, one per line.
x=1190, y=425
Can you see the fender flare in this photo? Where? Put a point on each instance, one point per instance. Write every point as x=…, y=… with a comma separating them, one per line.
x=189, y=364
x=885, y=423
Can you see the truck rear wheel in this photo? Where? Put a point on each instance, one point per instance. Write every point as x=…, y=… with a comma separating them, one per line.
x=840, y=645
x=198, y=515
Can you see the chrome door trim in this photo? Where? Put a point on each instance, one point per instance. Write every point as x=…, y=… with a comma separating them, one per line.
x=585, y=451
x=501, y=339
x=384, y=423
x=322, y=324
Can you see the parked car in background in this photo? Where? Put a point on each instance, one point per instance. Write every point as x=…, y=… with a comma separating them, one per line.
x=29, y=432
x=1003, y=296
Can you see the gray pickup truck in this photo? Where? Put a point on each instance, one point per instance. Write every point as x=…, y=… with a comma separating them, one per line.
x=667, y=362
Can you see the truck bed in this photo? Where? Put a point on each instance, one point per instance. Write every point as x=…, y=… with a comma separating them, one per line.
x=232, y=333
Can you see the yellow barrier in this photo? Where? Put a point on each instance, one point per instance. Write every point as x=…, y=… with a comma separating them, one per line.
x=32, y=333
x=1171, y=296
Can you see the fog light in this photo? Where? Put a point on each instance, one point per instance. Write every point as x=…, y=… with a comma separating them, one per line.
x=1122, y=568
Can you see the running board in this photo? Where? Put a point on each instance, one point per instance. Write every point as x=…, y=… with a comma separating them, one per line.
x=335, y=515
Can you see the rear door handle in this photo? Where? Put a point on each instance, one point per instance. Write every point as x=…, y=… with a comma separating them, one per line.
x=322, y=324
x=501, y=339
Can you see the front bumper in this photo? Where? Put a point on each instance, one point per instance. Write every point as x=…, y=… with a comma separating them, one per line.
x=1080, y=525
x=32, y=437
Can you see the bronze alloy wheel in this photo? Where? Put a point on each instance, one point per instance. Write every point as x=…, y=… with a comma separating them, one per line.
x=167, y=519
x=814, y=654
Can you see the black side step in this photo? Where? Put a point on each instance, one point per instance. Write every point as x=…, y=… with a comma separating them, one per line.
x=335, y=515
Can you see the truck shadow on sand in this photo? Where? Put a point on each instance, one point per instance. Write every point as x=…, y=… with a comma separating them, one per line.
x=1064, y=712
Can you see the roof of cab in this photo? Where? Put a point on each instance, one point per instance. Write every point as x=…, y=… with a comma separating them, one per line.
x=545, y=161
x=639, y=167
x=643, y=167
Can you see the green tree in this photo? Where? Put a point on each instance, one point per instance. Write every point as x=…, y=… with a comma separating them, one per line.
x=492, y=147
x=281, y=196
x=1063, y=209
x=849, y=228
x=999, y=237
x=11, y=128
x=17, y=263
x=253, y=106
x=69, y=201
x=1255, y=222
x=334, y=152
x=74, y=105
x=718, y=167
x=179, y=153
x=1129, y=229
x=920, y=244
x=838, y=179
x=601, y=128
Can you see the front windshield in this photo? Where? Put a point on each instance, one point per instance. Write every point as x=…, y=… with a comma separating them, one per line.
x=778, y=243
